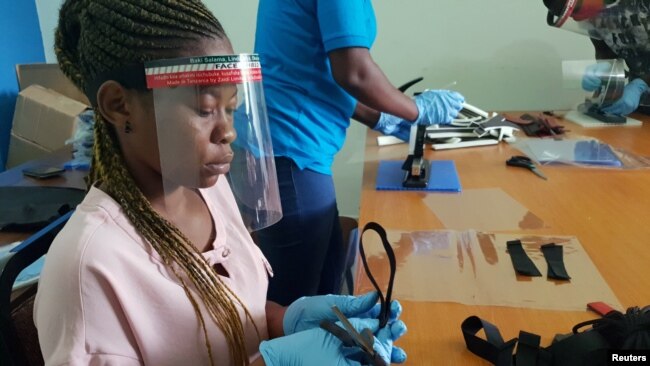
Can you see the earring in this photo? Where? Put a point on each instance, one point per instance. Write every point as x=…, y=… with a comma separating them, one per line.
x=127, y=127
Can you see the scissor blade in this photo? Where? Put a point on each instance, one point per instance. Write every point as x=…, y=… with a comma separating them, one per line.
x=538, y=173
x=353, y=332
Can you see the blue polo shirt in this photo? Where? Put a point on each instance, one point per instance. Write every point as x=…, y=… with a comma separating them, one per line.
x=309, y=112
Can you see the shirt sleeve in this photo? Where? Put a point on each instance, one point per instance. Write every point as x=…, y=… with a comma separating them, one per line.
x=343, y=23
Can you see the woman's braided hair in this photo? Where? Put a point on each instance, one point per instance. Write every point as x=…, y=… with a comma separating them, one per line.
x=97, y=36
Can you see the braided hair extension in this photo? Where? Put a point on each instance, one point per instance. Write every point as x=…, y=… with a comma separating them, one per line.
x=96, y=36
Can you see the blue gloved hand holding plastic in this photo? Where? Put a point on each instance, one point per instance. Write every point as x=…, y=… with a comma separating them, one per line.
x=319, y=347
x=629, y=102
x=307, y=312
x=403, y=131
x=438, y=106
x=593, y=77
x=399, y=128
x=434, y=107
x=389, y=125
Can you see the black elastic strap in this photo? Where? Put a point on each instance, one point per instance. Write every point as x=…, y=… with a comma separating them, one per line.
x=384, y=300
x=585, y=348
x=555, y=261
x=520, y=260
x=527, y=349
x=494, y=349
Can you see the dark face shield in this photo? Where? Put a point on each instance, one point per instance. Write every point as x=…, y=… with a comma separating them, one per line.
x=211, y=124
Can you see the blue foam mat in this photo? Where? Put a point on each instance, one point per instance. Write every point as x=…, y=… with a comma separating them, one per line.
x=443, y=177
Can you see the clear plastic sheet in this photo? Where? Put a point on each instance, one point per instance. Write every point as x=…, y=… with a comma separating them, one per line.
x=582, y=152
x=474, y=268
x=482, y=209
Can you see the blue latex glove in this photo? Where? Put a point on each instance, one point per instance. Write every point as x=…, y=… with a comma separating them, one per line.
x=319, y=347
x=593, y=77
x=434, y=107
x=307, y=312
x=394, y=126
x=629, y=102
x=403, y=131
x=389, y=125
x=438, y=106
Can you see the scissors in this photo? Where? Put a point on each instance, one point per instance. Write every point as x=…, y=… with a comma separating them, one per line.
x=525, y=162
x=365, y=340
x=350, y=337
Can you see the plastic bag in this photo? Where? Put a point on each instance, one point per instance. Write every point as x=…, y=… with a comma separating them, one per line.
x=82, y=141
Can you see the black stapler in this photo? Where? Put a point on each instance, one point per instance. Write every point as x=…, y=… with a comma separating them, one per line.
x=416, y=167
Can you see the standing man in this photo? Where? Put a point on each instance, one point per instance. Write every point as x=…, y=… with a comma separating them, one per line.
x=318, y=73
x=618, y=29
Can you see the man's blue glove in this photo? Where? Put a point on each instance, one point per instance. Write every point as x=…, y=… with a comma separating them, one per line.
x=438, y=106
x=629, y=102
x=593, y=77
x=434, y=107
x=317, y=346
x=307, y=312
x=394, y=126
x=390, y=125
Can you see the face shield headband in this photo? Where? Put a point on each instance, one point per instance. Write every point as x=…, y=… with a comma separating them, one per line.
x=211, y=121
x=579, y=10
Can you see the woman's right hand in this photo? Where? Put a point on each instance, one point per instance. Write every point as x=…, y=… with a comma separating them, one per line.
x=319, y=347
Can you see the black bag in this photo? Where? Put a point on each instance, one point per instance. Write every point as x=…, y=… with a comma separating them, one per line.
x=614, y=331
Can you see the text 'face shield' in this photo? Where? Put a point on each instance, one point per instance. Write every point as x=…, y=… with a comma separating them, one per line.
x=211, y=121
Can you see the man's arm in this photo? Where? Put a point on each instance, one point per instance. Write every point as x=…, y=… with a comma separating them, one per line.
x=355, y=71
x=366, y=115
x=603, y=52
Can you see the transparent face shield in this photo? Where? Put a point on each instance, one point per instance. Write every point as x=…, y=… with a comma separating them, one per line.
x=602, y=80
x=211, y=124
x=583, y=16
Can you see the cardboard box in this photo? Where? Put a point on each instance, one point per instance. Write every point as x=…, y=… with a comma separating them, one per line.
x=21, y=150
x=49, y=76
x=43, y=121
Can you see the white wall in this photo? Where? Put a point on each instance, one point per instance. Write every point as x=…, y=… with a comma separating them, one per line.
x=48, y=16
x=239, y=24
x=500, y=54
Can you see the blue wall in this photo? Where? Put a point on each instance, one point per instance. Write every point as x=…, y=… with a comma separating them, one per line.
x=20, y=43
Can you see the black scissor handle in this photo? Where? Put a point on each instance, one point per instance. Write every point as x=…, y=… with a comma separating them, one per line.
x=520, y=161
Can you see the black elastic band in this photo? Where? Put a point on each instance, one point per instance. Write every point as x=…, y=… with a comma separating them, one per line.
x=555, y=260
x=384, y=300
x=492, y=349
x=528, y=349
x=520, y=260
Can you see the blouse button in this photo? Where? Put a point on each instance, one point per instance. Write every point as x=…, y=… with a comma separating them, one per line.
x=225, y=253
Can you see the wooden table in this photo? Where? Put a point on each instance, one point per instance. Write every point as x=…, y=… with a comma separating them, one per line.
x=15, y=177
x=607, y=210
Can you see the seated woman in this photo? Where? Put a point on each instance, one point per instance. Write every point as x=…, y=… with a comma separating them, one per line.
x=156, y=266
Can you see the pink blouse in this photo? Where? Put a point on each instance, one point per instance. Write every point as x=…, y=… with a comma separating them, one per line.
x=105, y=297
